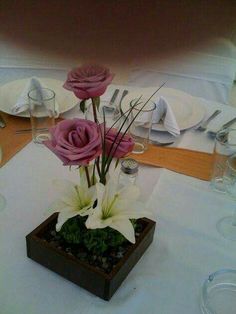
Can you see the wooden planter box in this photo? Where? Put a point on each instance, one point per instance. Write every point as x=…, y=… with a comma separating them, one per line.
x=86, y=276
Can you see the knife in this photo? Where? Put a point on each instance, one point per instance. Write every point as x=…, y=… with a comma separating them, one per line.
x=224, y=126
x=113, y=98
x=2, y=122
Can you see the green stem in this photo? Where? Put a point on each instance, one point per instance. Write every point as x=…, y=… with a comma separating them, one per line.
x=97, y=162
x=94, y=110
x=93, y=176
x=87, y=176
x=117, y=162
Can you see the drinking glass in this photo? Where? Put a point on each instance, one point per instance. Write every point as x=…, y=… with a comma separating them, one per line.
x=227, y=225
x=141, y=123
x=2, y=198
x=42, y=113
x=225, y=146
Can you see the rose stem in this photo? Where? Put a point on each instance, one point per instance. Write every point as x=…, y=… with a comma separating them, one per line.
x=98, y=167
x=87, y=176
x=117, y=162
x=93, y=175
x=94, y=110
x=102, y=175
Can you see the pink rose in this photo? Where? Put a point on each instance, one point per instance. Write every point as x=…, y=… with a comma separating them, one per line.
x=88, y=81
x=75, y=142
x=124, y=147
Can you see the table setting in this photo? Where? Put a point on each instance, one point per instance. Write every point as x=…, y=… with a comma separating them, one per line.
x=86, y=132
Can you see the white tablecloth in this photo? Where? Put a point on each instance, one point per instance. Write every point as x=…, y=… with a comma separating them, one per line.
x=167, y=279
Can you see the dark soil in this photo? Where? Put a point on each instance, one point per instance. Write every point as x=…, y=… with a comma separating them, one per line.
x=105, y=262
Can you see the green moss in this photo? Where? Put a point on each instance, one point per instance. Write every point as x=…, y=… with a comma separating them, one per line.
x=96, y=241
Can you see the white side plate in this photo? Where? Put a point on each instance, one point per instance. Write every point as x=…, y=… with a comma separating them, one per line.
x=188, y=110
x=10, y=92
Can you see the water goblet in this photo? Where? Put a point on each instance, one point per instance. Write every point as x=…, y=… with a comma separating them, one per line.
x=227, y=225
x=2, y=198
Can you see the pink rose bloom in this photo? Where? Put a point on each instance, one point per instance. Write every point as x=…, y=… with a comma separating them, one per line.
x=75, y=142
x=88, y=81
x=126, y=145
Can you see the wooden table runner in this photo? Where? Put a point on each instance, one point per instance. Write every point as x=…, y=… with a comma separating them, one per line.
x=11, y=142
x=192, y=163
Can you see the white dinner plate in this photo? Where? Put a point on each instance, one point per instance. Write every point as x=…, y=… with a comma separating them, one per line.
x=10, y=92
x=188, y=110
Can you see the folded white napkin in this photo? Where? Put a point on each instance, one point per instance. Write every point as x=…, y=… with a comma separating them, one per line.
x=22, y=103
x=163, y=111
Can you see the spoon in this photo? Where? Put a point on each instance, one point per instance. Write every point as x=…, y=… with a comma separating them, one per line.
x=157, y=143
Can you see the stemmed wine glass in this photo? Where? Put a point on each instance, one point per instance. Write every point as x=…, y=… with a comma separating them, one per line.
x=2, y=198
x=227, y=225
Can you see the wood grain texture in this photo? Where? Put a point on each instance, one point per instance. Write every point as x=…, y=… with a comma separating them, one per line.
x=192, y=163
x=11, y=142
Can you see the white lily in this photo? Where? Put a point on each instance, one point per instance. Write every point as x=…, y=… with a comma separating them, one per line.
x=75, y=200
x=115, y=208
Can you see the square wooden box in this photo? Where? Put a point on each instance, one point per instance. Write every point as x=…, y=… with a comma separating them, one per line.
x=94, y=280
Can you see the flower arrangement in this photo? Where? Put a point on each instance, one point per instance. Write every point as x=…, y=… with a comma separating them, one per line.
x=96, y=212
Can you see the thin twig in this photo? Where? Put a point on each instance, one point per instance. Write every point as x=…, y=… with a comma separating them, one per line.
x=120, y=129
x=109, y=162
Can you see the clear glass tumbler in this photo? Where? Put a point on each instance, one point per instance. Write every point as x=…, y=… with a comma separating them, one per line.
x=42, y=113
x=225, y=146
x=227, y=225
x=141, y=112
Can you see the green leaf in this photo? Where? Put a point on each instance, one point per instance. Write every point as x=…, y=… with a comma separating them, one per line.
x=82, y=105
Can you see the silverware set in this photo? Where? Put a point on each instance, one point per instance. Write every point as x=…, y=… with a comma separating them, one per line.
x=224, y=126
x=118, y=111
x=203, y=126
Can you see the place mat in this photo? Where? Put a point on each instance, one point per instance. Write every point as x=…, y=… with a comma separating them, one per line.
x=192, y=163
x=11, y=142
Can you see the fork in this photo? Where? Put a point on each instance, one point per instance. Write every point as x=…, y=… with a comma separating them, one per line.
x=117, y=111
x=202, y=127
